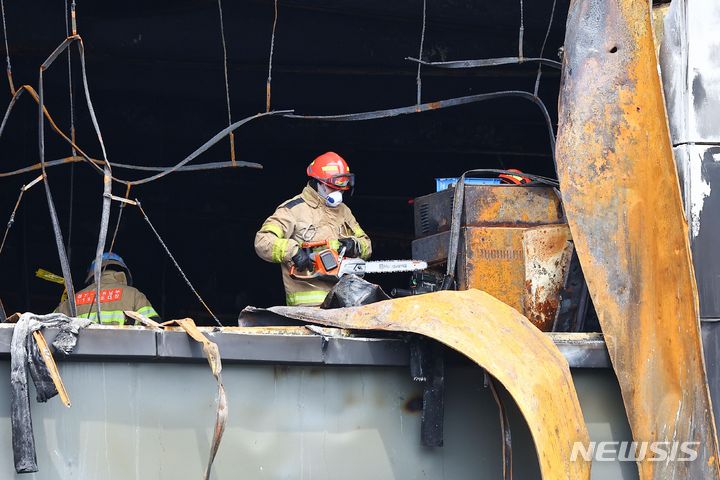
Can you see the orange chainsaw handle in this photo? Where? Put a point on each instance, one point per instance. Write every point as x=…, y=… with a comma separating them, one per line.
x=326, y=262
x=321, y=243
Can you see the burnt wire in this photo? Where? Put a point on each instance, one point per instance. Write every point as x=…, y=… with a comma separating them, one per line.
x=163, y=170
x=119, y=218
x=170, y=255
x=186, y=168
x=73, y=18
x=11, y=221
x=272, y=49
x=504, y=428
x=432, y=106
x=420, y=53
x=182, y=165
x=64, y=263
x=542, y=49
x=521, y=31
x=227, y=82
x=8, y=67
x=107, y=172
x=487, y=62
x=71, y=201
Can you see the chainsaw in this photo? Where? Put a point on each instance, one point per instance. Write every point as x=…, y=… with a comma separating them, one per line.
x=329, y=263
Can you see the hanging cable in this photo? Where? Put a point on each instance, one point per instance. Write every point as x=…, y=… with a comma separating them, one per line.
x=272, y=48
x=418, y=80
x=73, y=18
x=142, y=168
x=440, y=104
x=96, y=164
x=521, y=32
x=120, y=212
x=107, y=173
x=62, y=254
x=102, y=238
x=227, y=82
x=170, y=255
x=362, y=116
x=504, y=429
x=107, y=170
x=542, y=49
x=10, y=223
x=8, y=68
x=487, y=62
x=71, y=201
x=182, y=165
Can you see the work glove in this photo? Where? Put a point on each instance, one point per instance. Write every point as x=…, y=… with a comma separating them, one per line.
x=352, y=247
x=302, y=260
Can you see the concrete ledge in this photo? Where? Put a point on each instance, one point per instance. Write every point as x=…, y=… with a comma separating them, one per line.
x=244, y=347
x=295, y=345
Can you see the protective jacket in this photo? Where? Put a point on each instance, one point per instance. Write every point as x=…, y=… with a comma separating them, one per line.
x=306, y=218
x=116, y=296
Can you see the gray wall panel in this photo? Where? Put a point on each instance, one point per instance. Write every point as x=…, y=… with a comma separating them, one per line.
x=153, y=421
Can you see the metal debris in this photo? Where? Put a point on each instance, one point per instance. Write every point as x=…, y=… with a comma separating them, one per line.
x=213, y=356
x=547, y=251
x=22, y=430
x=500, y=340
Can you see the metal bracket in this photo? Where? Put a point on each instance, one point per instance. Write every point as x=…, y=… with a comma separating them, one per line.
x=427, y=365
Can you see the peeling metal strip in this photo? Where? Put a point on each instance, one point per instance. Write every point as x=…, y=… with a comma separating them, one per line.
x=487, y=62
x=213, y=357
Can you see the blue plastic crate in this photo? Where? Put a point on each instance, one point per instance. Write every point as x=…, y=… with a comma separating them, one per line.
x=445, y=183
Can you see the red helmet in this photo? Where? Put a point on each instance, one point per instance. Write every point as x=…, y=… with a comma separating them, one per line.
x=332, y=170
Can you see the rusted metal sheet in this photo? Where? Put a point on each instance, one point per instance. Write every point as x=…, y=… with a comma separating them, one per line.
x=622, y=199
x=489, y=205
x=502, y=341
x=547, y=251
x=491, y=259
x=522, y=267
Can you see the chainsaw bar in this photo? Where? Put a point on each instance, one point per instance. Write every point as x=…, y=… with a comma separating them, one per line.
x=360, y=267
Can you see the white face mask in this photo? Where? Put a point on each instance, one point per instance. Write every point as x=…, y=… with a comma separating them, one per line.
x=333, y=198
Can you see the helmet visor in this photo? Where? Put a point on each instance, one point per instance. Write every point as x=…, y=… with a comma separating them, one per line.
x=343, y=181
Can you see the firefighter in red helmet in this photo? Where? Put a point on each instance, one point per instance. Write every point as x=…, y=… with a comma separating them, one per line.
x=317, y=214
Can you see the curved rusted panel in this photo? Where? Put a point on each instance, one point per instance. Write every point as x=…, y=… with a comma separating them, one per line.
x=623, y=204
x=500, y=340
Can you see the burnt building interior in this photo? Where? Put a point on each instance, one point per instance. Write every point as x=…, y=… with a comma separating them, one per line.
x=156, y=77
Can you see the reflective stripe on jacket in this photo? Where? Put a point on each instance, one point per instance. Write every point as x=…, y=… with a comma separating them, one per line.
x=306, y=218
x=116, y=296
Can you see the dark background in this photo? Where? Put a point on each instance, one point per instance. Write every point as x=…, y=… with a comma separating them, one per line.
x=157, y=84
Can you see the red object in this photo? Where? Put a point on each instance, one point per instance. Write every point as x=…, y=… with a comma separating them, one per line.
x=332, y=170
x=325, y=261
x=516, y=179
x=110, y=295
